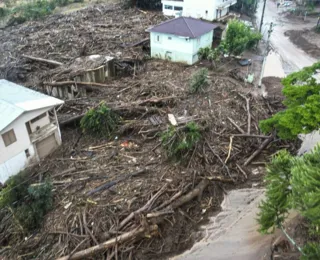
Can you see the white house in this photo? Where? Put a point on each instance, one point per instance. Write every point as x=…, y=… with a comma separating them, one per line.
x=29, y=128
x=205, y=9
x=180, y=39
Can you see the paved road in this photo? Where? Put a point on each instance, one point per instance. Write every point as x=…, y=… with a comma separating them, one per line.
x=293, y=58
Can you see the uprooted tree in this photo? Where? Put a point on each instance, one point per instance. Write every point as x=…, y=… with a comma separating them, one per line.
x=302, y=113
x=293, y=183
x=178, y=142
x=100, y=121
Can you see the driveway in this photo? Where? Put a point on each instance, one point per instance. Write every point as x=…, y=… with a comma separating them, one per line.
x=293, y=58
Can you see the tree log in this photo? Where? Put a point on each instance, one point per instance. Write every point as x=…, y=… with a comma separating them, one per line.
x=83, y=254
x=259, y=150
x=66, y=83
x=52, y=62
x=71, y=120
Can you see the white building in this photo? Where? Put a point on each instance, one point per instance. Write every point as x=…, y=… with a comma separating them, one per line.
x=205, y=9
x=180, y=39
x=29, y=128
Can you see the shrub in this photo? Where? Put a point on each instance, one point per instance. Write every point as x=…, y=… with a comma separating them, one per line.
x=199, y=81
x=178, y=142
x=29, y=203
x=100, y=121
x=203, y=53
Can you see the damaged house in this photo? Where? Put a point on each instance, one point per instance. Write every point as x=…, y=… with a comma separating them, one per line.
x=180, y=39
x=29, y=128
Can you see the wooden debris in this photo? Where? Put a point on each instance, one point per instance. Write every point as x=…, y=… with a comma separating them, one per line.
x=259, y=150
x=51, y=62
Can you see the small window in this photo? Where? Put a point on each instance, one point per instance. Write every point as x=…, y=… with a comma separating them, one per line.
x=178, y=8
x=206, y=11
x=9, y=137
x=27, y=153
x=169, y=38
x=38, y=117
x=168, y=7
x=158, y=38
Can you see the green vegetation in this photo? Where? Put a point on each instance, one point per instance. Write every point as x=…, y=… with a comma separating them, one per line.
x=32, y=10
x=239, y=37
x=199, y=81
x=28, y=202
x=302, y=114
x=178, y=142
x=100, y=121
x=293, y=183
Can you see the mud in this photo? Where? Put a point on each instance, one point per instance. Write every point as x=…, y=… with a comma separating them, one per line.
x=307, y=40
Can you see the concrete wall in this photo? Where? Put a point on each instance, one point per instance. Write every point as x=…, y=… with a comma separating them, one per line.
x=40, y=123
x=178, y=49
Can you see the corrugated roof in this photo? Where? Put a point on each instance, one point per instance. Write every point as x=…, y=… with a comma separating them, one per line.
x=184, y=26
x=16, y=99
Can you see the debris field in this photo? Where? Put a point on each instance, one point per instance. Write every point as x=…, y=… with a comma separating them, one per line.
x=122, y=198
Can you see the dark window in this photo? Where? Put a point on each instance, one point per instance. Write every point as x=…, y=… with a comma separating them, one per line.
x=28, y=128
x=38, y=117
x=158, y=38
x=168, y=7
x=9, y=137
x=27, y=153
x=169, y=38
x=178, y=8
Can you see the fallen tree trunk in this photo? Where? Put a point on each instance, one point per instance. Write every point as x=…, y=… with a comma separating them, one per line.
x=259, y=150
x=52, y=62
x=83, y=254
x=66, y=83
x=71, y=120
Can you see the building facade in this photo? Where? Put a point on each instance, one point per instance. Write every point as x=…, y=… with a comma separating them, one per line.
x=204, y=9
x=180, y=39
x=29, y=129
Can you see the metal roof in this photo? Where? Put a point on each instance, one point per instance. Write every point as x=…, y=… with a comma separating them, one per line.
x=16, y=99
x=184, y=26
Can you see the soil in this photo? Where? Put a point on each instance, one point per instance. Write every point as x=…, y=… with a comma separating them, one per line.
x=273, y=86
x=307, y=40
x=143, y=99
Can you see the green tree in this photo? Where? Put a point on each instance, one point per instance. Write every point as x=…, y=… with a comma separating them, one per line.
x=239, y=37
x=247, y=6
x=302, y=101
x=199, y=81
x=293, y=183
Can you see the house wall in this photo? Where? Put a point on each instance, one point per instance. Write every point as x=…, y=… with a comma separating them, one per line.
x=40, y=123
x=205, y=9
x=175, y=7
x=178, y=49
x=13, y=157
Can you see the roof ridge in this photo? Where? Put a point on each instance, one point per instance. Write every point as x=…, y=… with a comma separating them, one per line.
x=165, y=22
x=188, y=26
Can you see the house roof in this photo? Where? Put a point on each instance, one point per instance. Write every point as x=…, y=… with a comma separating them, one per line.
x=16, y=99
x=184, y=26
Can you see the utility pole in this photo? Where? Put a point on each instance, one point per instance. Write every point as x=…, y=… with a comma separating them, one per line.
x=262, y=16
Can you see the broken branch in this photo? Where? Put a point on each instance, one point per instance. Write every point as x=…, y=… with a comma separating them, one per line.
x=52, y=62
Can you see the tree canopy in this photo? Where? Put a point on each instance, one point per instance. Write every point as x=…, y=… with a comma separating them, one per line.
x=302, y=101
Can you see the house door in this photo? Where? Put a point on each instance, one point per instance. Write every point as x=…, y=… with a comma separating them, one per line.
x=46, y=146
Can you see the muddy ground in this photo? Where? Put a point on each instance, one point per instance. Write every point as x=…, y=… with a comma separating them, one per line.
x=133, y=161
x=307, y=40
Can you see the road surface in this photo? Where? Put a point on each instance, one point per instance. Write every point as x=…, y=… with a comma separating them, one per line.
x=293, y=58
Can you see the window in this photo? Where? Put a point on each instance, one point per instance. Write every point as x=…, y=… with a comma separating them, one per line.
x=9, y=137
x=38, y=117
x=27, y=153
x=168, y=7
x=169, y=38
x=158, y=38
x=178, y=8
